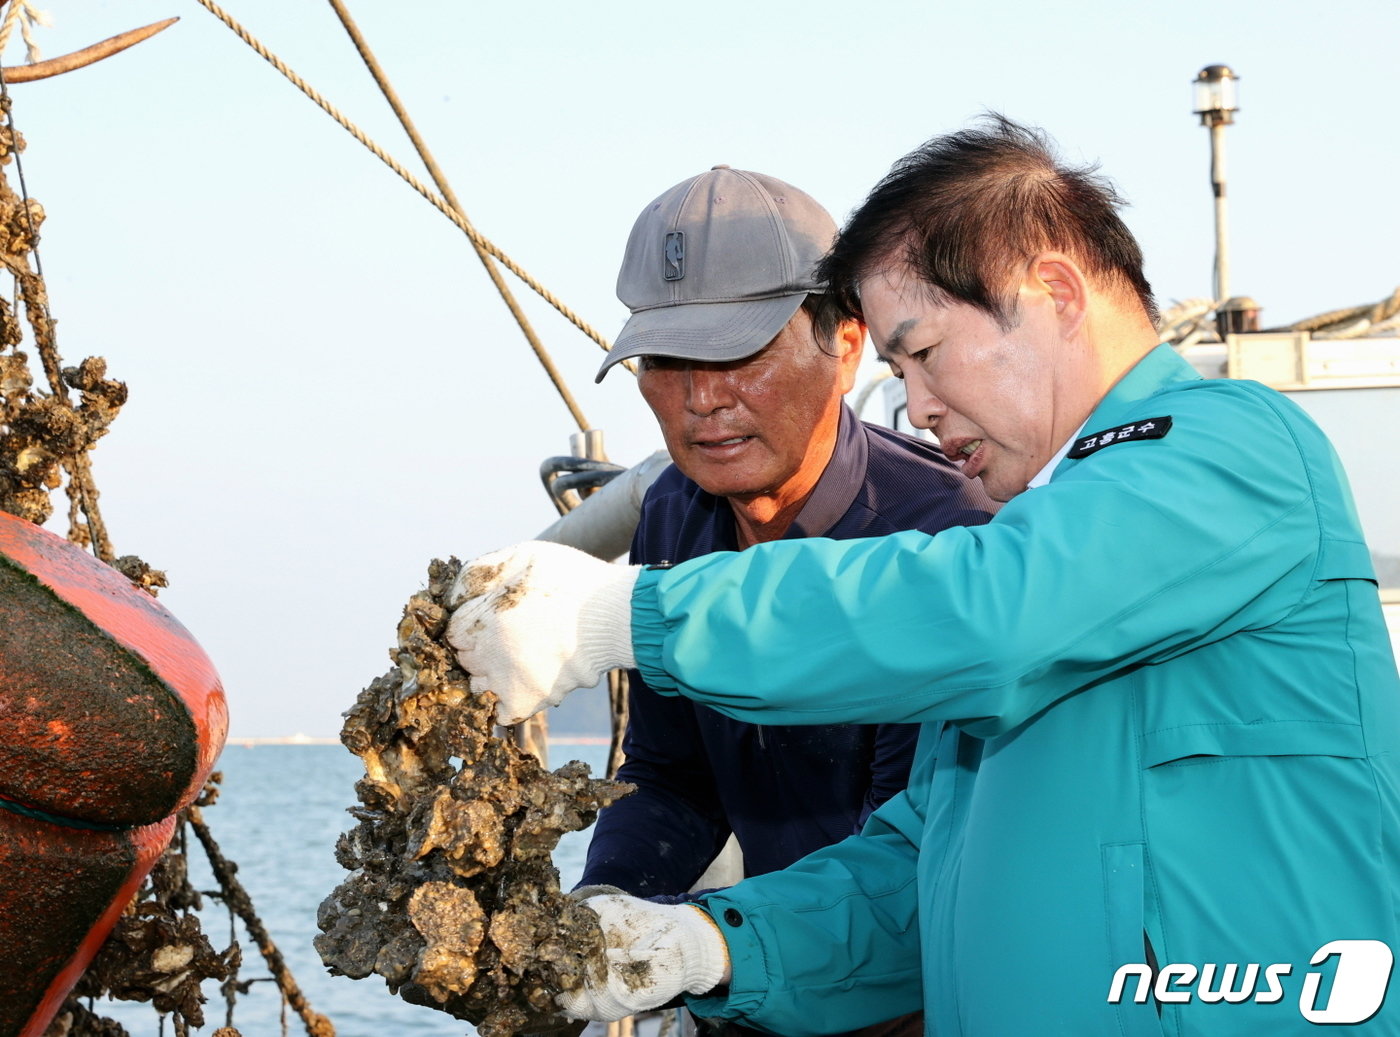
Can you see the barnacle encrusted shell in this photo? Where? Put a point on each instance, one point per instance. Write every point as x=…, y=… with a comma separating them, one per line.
x=452, y=896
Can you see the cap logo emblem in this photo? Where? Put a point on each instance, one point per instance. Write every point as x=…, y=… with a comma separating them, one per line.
x=674, y=256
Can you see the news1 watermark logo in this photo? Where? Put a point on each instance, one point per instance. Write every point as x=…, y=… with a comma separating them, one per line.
x=1360, y=979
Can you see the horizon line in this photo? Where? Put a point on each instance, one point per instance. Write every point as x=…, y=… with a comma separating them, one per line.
x=304, y=739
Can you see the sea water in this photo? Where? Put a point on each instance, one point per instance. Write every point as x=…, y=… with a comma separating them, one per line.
x=279, y=814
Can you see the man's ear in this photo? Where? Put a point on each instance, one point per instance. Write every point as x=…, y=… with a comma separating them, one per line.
x=850, y=344
x=1056, y=279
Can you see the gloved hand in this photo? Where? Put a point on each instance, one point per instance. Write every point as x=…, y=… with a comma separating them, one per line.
x=535, y=621
x=654, y=953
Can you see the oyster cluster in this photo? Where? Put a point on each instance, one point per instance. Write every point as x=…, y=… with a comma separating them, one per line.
x=452, y=896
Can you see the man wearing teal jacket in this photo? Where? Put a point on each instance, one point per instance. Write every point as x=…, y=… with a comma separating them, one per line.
x=1158, y=786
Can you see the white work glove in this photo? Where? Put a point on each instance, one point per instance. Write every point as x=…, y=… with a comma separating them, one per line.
x=535, y=621
x=654, y=953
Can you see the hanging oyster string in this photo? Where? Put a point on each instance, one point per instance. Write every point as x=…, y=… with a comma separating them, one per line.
x=452, y=896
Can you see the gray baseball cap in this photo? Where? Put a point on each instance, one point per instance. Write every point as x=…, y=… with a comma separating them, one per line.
x=717, y=266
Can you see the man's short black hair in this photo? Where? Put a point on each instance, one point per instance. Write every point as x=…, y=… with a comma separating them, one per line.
x=967, y=209
x=826, y=314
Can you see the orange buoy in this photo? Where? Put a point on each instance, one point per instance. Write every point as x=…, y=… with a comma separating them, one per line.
x=113, y=717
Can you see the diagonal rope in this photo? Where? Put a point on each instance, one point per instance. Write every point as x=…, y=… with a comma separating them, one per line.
x=82, y=487
x=477, y=239
x=440, y=180
x=7, y=26
x=26, y=15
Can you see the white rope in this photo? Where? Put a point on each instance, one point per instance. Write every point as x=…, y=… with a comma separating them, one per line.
x=1183, y=322
x=27, y=16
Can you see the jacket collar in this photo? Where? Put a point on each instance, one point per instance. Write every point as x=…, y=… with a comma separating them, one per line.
x=1160, y=368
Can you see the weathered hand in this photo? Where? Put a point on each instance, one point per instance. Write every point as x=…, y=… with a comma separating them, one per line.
x=535, y=621
x=654, y=953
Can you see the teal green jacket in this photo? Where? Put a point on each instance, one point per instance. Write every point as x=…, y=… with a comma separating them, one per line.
x=1161, y=722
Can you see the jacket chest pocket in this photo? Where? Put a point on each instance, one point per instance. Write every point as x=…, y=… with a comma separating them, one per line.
x=1174, y=745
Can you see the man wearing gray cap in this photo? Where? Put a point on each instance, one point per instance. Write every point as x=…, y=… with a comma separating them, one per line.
x=744, y=362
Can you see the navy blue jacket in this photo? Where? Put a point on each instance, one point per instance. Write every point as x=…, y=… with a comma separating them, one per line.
x=783, y=791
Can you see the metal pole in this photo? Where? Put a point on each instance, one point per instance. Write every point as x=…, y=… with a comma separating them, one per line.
x=1217, y=183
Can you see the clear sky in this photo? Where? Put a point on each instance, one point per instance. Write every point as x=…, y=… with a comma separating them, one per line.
x=326, y=391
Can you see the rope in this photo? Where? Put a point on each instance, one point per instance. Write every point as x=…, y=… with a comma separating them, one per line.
x=443, y=186
x=33, y=17
x=68, y=442
x=15, y=807
x=81, y=487
x=27, y=16
x=1352, y=321
x=436, y=201
x=238, y=901
x=8, y=25
x=1185, y=323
